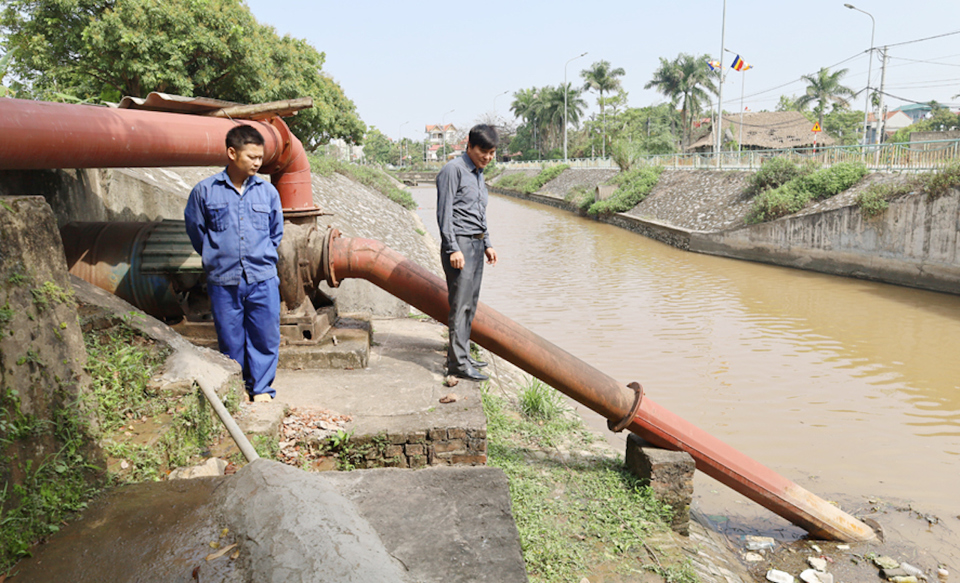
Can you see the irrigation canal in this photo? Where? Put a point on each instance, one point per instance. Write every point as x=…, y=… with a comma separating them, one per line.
x=849, y=388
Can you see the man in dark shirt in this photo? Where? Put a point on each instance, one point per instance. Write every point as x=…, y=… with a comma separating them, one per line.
x=235, y=222
x=464, y=242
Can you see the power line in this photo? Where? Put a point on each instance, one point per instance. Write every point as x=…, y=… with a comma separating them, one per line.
x=922, y=39
x=925, y=62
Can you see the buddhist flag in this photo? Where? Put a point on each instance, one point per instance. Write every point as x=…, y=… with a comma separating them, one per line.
x=714, y=65
x=740, y=65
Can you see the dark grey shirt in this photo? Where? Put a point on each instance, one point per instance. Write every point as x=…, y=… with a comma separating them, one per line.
x=461, y=203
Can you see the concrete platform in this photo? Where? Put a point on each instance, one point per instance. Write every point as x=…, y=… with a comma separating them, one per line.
x=396, y=398
x=438, y=525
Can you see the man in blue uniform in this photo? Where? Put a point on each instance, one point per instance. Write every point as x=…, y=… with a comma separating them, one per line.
x=235, y=222
x=464, y=243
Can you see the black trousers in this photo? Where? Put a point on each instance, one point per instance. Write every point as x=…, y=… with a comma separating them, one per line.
x=463, y=293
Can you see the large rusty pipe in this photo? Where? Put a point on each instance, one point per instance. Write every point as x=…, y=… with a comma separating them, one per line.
x=373, y=261
x=37, y=135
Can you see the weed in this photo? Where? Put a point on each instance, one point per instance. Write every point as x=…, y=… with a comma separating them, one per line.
x=492, y=171
x=580, y=197
x=420, y=232
x=6, y=316
x=17, y=278
x=530, y=184
x=52, y=487
x=121, y=362
x=938, y=182
x=540, y=402
x=873, y=199
x=793, y=195
x=265, y=446
x=634, y=186
x=372, y=177
x=49, y=293
x=775, y=173
x=570, y=515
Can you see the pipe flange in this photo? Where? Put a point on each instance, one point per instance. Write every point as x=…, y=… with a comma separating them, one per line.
x=638, y=398
x=326, y=257
x=302, y=213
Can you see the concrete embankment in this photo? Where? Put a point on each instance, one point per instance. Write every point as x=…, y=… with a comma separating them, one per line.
x=914, y=242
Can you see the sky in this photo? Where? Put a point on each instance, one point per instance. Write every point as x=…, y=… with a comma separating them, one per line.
x=409, y=64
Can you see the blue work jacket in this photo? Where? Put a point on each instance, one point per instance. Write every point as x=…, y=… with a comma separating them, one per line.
x=235, y=234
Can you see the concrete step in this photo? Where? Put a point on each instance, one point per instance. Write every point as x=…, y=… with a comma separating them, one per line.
x=398, y=418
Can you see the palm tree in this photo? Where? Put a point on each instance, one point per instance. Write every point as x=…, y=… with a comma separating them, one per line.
x=600, y=77
x=824, y=88
x=527, y=105
x=686, y=81
x=552, y=110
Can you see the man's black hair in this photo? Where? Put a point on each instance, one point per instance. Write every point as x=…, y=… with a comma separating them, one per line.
x=483, y=136
x=241, y=135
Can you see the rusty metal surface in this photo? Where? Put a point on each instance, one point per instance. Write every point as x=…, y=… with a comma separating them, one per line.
x=108, y=255
x=373, y=261
x=42, y=135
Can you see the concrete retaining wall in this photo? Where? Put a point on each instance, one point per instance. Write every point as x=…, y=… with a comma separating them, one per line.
x=914, y=243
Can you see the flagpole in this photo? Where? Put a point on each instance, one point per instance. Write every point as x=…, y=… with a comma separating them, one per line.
x=718, y=129
x=743, y=84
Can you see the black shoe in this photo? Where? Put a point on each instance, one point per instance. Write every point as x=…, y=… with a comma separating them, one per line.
x=477, y=363
x=471, y=374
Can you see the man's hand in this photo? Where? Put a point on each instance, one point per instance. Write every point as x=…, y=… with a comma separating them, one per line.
x=491, y=254
x=456, y=260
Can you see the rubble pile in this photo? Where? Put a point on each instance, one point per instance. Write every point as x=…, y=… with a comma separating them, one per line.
x=306, y=434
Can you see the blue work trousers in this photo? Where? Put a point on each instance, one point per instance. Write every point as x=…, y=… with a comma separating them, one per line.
x=463, y=293
x=247, y=319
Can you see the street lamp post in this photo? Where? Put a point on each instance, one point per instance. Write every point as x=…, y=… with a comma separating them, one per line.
x=495, y=116
x=400, y=140
x=565, y=103
x=718, y=129
x=866, y=101
x=443, y=133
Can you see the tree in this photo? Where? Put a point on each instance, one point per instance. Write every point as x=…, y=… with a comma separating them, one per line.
x=790, y=104
x=685, y=81
x=104, y=49
x=601, y=78
x=825, y=88
x=527, y=106
x=555, y=111
x=378, y=148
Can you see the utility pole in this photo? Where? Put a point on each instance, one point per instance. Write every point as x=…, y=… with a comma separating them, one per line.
x=882, y=118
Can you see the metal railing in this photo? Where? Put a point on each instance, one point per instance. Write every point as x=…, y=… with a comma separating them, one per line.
x=911, y=156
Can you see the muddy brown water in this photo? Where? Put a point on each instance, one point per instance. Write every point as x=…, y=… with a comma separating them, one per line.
x=849, y=388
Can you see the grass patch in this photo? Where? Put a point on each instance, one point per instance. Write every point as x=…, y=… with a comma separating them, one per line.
x=121, y=362
x=572, y=516
x=492, y=171
x=539, y=401
x=634, y=186
x=366, y=175
x=793, y=195
x=53, y=487
x=530, y=184
x=580, y=197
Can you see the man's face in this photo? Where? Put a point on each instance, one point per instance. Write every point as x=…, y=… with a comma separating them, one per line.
x=480, y=156
x=247, y=159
